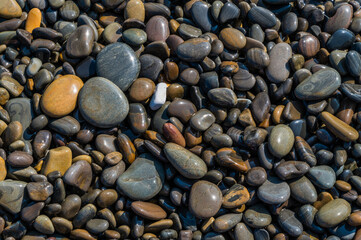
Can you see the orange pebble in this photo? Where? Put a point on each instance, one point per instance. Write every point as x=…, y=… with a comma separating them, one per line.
x=34, y=20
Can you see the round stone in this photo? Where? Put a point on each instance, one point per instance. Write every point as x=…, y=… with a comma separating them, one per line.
x=126, y=62
x=205, y=199
x=281, y=140
x=148, y=210
x=102, y=103
x=80, y=42
x=194, y=50
x=60, y=97
x=333, y=213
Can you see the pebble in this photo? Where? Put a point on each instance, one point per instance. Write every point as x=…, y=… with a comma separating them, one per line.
x=58, y=159
x=290, y=223
x=333, y=213
x=149, y=211
x=194, y=50
x=257, y=216
x=303, y=190
x=80, y=42
x=188, y=164
x=279, y=69
x=159, y=97
x=205, y=199
x=143, y=179
x=79, y=175
x=102, y=103
x=274, y=191
x=281, y=140
x=322, y=176
x=12, y=195
x=124, y=57
x=10, y=9
x=232, y=39
x=157, y=29
x=235, y=196
x=64, y=89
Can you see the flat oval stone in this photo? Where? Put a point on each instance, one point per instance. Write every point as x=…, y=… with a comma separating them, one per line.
x=39, y=191
x=235, y=196
x=63, y=90
x=288, y=221
x=148, y=210
x=223, y=97
x=79, y=175
x=341, y=19
x=69, y=11
x=322, y=176
x=187, y=163
x=258, y=58
x=102, y=103
x=182, y=109
x=143, y=179
x=67, y=125
x=333, y=213
x=338, y=127
x=134, y=37
x=352, y=91
x=10, y=9
x=274, y=191
x=319, y=86
x=141, y=90
x=228, y=12
x=303, y=190
x=257, y=216
x=11, y=195
x=262, y=16
x=205, y=199
x=122, y=56
x=260, y=106
x=340, y=40
x=202, y=120
x=353, y=63
x=80, y=43
x=279, y=69
x=44, y=225
x=157, y=29
x=19, y=159
x=280, y=140
x=289, y=23
x=201, y=15
x=194, y=50
x=97, y=226
x=232, y=38
x=226, y=222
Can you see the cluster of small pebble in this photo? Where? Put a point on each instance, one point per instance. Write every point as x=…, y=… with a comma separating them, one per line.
x=178, y=119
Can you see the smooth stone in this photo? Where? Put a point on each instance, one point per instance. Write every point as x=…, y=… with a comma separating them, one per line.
x=143, y=179
x=202, y=120
x=288, y=221
x=322, y=176
x=19, y=159
x=141, y=90
x=228, y=12
x=12, y=195
x=182, y=109
x=122, y=56
x=279, y=69
x=10, y=9
x=257, y=216
x=352, y=91
x=308, y=46
x=205, y=199
x=134, y=37
x=62, y=225
x=262, y=16
x=80, y=43
x=159, y=97
x=260, y=106
x=341, y=19
x=333, y=213
x=289, y=23
x=235, y=196
x=256, y=176
x=274, y=191
x=39, y=191
x=319, y=85
x=257, y=58
x=187, y=31
x=135, y=9
x=151, y=66
x=337, y=59
x=114, y=33
x=102, y=103
x=157, y=29
x=12, y=132
x=232, y=38
x=188, y=164
x=160, y=118
x=281, y=140
x=34, y=20
x=97, y=226
x=226, y=222
x=243, y=232
x=353, y=63
x=20, y=109
x=11, y=85
x=58, y=159
x=137, y=118
x=148, y=210
x=3, y=170
x=340, y=40
x=291, y=169
x=201, y=15
x=339, y=128
x=67, y=125
x=194, y=50
x=79, y=175
x=65, y=90
x=69, y=11
x=44, y=225
x=303, y=190
x=85, y=214
x=223, y=97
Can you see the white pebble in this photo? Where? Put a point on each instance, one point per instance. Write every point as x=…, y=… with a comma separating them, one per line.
x=159, y=96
